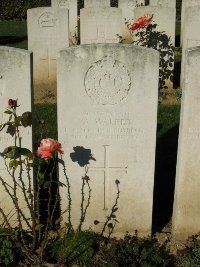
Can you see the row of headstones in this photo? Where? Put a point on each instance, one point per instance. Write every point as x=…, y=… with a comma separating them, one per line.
x=99, y=23
x=107, y=102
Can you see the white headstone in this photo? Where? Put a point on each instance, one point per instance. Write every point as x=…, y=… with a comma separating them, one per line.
x=100, y=25
x=110, y=108
x=15, y=83
x=164, y=18
x=164, y=3
x=191, y=36
x=128, y=7
x=47, y=34
x=186, y=4
x=186, y=215
x=96, y=3
x=72, y=6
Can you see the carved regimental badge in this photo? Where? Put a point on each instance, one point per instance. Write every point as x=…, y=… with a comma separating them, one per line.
x=47, y=20
x=107, y=81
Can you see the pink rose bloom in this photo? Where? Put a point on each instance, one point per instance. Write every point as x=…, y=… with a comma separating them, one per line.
x=48, y=147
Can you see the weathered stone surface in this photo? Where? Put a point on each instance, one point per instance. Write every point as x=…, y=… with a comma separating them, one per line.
x=100, y=25
x=127, y=7
x=164, y=3
x=15, y=83
x=191, y=37
x=107, y=102
x=47, y=34
x=72, y=6
x=186, y=216
x=186, y=4
x=96, y=3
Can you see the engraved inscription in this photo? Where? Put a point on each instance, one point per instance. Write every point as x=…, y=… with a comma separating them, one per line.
x=107, y=81
x=47, y=20
x=193, y=43
x=106, y=168
x=104, y=126
x=63, y=3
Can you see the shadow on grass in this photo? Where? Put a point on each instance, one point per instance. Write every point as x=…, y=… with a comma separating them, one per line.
x=164, y=180
x=4, y=40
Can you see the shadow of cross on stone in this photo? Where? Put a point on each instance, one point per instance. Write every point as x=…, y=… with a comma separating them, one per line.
x=106, y=168
x=48, y=59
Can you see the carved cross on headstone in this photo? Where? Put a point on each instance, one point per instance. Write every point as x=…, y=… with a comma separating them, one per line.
x=106, y=168
x=49, y=60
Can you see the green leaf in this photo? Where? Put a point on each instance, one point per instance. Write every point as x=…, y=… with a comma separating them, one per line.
x=11, y=130
x=18, y=120
x=38, y=227
x=46, y=184
x=25, y=152
x=8, y=112
x=59, y=220
x=13, y=164
x=13, y=152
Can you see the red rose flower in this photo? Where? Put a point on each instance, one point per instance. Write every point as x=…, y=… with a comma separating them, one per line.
x=48, y=147
x=10, y=103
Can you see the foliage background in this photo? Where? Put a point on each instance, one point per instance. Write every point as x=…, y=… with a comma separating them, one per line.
x=16, y=9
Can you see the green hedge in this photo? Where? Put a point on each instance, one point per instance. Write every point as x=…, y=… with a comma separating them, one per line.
x=16, y=9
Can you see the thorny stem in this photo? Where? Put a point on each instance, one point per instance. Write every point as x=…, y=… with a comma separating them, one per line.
x=49, y=212
x=5, y=218
x=84, y=210
x=109, y=217
x=69, y=197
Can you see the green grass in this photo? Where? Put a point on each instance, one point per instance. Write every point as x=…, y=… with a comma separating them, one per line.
x=13, y=33
x=45, y=122
x=168, y=117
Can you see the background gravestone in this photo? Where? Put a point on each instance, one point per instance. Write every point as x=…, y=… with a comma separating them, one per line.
x=164, y=3
x=72, y=6
x=47, y=34
x=96, y=3
x=15, y=83
x=186, y=216
x=100, y=25
x=191, y=37
x=112, y=110
x=164, y=18
x=127, y=7
x=186, y=4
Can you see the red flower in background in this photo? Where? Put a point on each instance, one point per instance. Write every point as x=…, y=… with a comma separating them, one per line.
x=10, y=103
x=142, y=22
x=48, y=147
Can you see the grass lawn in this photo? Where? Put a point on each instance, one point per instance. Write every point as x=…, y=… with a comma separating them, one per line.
x=14, y=33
